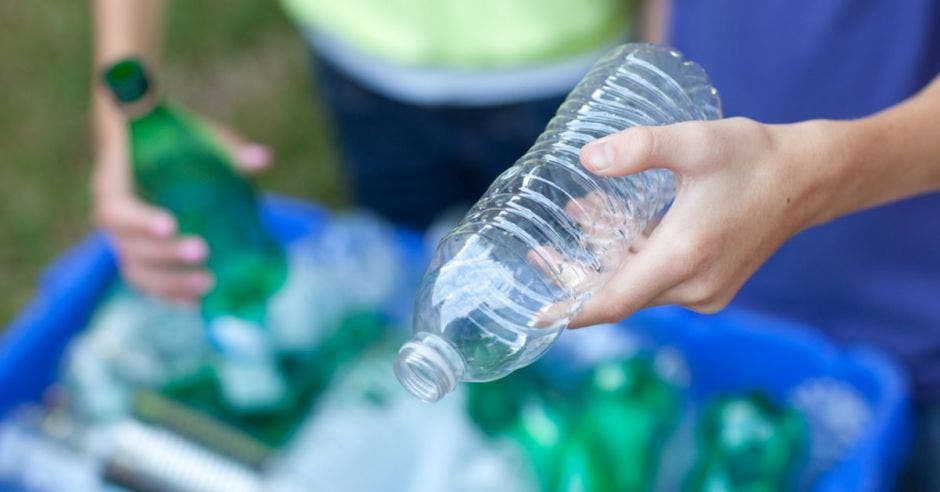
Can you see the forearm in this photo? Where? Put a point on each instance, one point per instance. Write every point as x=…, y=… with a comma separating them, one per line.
x=888, y=156
x=122, y=28
x=654, y=15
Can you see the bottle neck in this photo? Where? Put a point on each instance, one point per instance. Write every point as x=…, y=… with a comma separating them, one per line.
x=429, y=367
x=140, y=108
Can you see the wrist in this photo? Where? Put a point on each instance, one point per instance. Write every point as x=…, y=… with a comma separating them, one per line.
x=828, y=156
x=110, y=174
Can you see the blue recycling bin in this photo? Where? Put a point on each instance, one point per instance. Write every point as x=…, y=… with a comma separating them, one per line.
x=726, y=353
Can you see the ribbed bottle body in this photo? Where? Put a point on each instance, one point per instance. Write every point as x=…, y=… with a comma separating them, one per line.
x=548, y=233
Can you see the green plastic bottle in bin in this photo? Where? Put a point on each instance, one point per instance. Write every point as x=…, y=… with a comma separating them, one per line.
x=747, y=443
x=581, y=469
x=179, y=165
x=541, y=431
x=630, y=410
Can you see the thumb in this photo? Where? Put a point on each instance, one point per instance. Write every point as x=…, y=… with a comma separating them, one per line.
x=644, y=147
x=248, y=157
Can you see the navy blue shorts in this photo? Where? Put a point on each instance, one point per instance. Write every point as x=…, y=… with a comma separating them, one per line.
x=409, y=163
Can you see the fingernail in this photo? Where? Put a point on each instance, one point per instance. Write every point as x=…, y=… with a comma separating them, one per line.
x=596, y=155
x=254, y=155
x=163, y=225
x=193, y=250
x=201, y=283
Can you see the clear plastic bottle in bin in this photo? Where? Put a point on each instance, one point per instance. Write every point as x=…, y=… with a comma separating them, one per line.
x=547, y=234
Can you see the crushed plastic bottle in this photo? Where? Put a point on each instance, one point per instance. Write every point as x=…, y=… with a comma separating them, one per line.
x=837, y=416
x=409, y=447
x=132, y=341
x=46, y=450
x=33, y=461
x=353, y=264
x=505, y=283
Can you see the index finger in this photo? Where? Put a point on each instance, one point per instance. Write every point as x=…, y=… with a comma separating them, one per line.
x=131, y=216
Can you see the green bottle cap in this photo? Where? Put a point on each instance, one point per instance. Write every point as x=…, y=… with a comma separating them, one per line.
x=127, y=80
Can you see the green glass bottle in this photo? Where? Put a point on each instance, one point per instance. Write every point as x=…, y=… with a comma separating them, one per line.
x=541, y=431
x=582, y=469
x=630, y=411
x=495, y=406
x=747, y=443
x=179, y=165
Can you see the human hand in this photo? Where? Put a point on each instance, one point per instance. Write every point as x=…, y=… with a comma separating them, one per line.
x=152, y=255
x=742, y=189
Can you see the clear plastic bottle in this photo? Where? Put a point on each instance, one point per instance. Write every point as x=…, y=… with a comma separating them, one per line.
x=506, y=282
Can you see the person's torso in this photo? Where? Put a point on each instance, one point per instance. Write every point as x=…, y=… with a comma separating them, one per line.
x=479, y=52
x=871, y=277
x=466, y=34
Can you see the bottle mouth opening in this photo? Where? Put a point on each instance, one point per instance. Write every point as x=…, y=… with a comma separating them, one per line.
x=424, y=368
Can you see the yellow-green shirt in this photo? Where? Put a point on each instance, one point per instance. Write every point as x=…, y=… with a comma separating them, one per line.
x=467, y=34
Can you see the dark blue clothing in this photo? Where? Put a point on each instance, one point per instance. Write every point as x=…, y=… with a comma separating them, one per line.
x=872, y=277
x=409, y=163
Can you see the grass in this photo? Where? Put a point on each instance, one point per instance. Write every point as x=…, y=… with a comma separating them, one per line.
x=240, y=62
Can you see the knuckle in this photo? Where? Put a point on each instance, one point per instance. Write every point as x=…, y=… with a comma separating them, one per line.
x=706, y=297
x=156, y=251
x=699, y=292
x=642, y=145
x=695, y=134
x=699, y=133
x=707, y=308
x=616, y=311
x=741, y=122
x=713, y=145
x=606, y=316
x=752, y=131
x=144, y=279
x=133, y=274
x=153, y=251
x=131, y=253
x=597, y=314
x=165, y=288
x=689, y=257
x=746, y=125
x=711, y=305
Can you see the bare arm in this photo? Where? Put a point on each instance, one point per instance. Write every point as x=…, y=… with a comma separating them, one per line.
x=654, y=16
x=152, y=256
x=891, y=155
x=743, y=188
x=122, y=28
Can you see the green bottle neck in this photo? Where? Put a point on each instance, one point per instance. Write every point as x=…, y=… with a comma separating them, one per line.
x=141, y=108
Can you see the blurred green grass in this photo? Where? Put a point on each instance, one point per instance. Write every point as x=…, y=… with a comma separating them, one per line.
x=240, y=62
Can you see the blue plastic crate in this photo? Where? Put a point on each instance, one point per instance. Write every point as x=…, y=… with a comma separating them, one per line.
x=729, y=352
x=736, y=351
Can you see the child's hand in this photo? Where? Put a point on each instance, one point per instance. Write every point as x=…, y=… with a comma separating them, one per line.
x=152, y=256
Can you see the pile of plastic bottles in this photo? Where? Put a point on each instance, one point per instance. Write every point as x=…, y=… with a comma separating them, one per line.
x=149, y=366
x=139, y=407
x=282, y=379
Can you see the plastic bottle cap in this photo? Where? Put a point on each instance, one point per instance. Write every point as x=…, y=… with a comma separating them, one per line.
x=127, y=80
